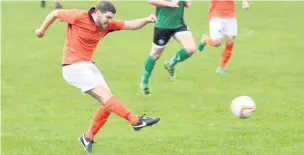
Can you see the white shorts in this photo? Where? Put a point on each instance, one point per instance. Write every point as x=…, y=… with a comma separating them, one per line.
x=220, y=27
x=83, y=75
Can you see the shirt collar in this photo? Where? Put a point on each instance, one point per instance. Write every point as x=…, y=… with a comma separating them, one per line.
x=92, y=10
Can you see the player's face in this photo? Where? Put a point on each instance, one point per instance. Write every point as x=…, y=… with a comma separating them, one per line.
x=103, y=19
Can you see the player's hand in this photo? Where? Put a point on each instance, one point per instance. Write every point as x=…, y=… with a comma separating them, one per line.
x=174, y=4
x=188, y=4
x=245, y=5
x=39, y=32
x=151, y=18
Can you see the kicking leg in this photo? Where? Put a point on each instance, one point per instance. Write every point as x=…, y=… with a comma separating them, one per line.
x=86, y=76
x=109, y=104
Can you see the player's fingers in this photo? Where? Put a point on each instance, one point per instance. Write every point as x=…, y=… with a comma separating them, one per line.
x=37, y=31
x=155, y=19
x=152, y=15
x=39, y=34
x=152, y=18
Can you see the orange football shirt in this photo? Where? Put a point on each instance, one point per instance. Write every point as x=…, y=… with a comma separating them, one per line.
x=82, y=34
x=221, y=9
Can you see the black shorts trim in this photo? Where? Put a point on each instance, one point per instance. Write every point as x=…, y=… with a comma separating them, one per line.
x=162, y=36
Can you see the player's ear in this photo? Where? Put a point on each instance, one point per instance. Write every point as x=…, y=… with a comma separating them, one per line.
x=98, y=13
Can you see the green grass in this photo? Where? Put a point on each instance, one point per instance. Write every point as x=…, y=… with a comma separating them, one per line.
x=42, y=114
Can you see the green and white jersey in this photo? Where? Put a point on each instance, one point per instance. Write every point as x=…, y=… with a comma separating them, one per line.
x=170, y=18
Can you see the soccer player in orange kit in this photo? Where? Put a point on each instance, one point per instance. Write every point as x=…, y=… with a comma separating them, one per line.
x=222, y=25
x=85, y=28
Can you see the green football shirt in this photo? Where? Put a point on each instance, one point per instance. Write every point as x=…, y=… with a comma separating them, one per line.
x=170, y=18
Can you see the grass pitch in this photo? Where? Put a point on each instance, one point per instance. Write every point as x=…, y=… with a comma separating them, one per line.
x=42, y=114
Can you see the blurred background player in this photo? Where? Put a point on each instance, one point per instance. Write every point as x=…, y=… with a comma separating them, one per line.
x=57, y=4
x=222, y=25
x=85, y=28
x=170, y=23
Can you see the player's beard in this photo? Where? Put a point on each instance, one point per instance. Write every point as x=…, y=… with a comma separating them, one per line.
x=102, y=25
x=99, y=24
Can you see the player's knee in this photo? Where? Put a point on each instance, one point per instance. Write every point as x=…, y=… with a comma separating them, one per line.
x=101, y=94
x=217, y=42
x=156, y=56
x=230, y=41
x=97, y=96
x=190, y=50
x=156, y=53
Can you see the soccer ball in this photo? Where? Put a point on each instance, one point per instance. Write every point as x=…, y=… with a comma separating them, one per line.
x=242, y=107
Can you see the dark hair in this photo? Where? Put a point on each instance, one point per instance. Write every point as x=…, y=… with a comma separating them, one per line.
x=105, y=6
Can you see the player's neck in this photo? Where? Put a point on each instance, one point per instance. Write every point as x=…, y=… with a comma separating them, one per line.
x=95, y=21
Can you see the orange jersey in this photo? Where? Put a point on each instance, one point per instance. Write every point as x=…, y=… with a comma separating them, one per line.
x=221, y=9
x=82, y=34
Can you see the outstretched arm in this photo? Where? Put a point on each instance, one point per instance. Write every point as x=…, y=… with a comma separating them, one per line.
x=139, y=23
x=50, y=18
x=64, y=15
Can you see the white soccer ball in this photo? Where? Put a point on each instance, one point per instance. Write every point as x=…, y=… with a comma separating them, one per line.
x=242, y=107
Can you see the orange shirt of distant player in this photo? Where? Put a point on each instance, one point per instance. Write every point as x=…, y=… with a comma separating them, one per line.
x=82, y=34
x=221, y=9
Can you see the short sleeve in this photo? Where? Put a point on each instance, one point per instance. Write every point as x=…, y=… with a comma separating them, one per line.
x=68, y=15
x=117, y=24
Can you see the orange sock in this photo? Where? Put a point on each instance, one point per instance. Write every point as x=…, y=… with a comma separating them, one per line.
x=209, y=41
x=99, y=119
x=121, y=110
x=226, y=55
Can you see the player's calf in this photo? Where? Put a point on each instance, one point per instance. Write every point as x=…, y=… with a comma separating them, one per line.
x=186, y=39
x=148, y=69
x=225, y=55
x=181, y=55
